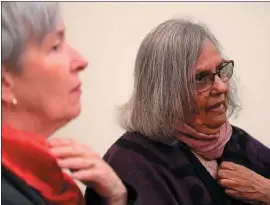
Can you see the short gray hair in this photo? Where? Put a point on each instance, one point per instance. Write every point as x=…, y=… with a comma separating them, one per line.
x=21, y=21
x=164, y=79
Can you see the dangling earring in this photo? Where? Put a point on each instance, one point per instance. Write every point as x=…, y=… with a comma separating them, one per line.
x=14, y=101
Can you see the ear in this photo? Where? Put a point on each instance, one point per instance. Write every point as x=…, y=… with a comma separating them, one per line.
x=6, y=85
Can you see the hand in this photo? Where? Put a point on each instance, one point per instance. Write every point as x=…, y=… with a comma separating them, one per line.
x=89, y=168
x=244, y=184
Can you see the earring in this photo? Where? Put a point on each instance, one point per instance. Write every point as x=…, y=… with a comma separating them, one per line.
x=14, y=101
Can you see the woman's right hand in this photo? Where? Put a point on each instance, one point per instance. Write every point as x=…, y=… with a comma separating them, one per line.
x=89, y=168
x=244, y=184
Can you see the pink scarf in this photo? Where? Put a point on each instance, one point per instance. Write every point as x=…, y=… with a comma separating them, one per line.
x=209, y=147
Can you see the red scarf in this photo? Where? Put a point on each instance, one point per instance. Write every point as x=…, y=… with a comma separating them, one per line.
x=26, y=155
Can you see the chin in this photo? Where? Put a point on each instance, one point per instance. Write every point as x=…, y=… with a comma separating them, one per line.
x=217, y=120
x=74, y=112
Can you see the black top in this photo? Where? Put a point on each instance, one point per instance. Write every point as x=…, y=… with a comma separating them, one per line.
x=16, y=192
x=172, y=174
x=91, y=197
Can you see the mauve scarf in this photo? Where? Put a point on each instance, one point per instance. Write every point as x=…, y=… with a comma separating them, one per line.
x=209, y=147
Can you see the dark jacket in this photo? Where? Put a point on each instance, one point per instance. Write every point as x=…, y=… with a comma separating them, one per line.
x=91, y=197
x=16, y=192
x=172, y=175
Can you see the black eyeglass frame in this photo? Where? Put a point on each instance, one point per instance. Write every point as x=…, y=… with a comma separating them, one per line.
x=213, y=75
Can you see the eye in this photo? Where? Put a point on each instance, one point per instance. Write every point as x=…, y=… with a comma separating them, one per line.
x=200, y=77
x=55, y=47
x=226, y=72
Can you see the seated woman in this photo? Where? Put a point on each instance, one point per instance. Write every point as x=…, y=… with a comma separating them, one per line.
x=40, y=94
x=179, y=147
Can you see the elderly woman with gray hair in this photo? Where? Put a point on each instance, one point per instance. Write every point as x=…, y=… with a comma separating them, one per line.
x=179, y=147
x=40, y=94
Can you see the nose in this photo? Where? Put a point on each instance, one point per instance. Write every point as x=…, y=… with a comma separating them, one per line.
x=219, y=86
x=78, y=63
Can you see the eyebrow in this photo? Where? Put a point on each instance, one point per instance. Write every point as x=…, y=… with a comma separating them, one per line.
x=60, y=33
x=221, y=64
x=205, y=70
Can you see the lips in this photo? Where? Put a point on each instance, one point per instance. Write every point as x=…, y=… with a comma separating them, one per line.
x=77, y=88
x=218, y=105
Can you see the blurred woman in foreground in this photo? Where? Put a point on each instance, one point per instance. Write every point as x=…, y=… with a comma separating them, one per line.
x=41, y=93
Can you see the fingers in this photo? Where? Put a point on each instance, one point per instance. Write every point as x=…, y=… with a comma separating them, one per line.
x=87, y=166
x=223, y=174
x=239, y=181
x=228, y=165
x=73, y=156
x=103, y=180
x=67, y=151
x=228, y=183
x=63, y=148
x=229, y=170
x=96, y=176
x=83, y=174
x=60, y=142
x=227, y=174
x=76, y=163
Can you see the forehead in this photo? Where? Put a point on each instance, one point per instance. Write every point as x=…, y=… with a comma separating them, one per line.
x=60, y=27
x=58, y=32
x=209, y=58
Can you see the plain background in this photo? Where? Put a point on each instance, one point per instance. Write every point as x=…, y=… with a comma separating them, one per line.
x=108, y=34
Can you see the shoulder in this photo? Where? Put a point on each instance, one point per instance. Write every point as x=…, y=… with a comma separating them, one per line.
x=249, y=145
x=151, y=167
x=245, y=140
x=133, y=149
x=238, y=133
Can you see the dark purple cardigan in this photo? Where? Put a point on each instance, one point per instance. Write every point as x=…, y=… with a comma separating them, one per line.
x=172, y=175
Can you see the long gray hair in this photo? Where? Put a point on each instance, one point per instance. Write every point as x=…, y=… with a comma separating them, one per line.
x=22, y=21
x=164, y=82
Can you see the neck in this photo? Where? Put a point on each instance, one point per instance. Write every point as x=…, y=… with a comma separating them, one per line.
x=29, y=122
x=202, y=128
x=208, y=130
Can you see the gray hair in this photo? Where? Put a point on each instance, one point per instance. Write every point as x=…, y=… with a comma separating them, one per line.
x=164, y=79
x=22, y=21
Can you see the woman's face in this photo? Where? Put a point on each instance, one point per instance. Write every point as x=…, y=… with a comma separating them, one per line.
x=49, y=86
x=212, y=101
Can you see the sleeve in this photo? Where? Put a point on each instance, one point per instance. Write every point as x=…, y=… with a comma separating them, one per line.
x=255, y=150
x=135, y=170
x=91, y=197
x=263, y=153
x=11, y=196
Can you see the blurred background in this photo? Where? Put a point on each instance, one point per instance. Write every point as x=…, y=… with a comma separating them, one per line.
x=108, y=34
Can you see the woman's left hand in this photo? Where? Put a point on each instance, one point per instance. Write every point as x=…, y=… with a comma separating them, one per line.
x=89, y=168
x=243, y=183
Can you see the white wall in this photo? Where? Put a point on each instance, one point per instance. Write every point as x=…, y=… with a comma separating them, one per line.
x=109, y=34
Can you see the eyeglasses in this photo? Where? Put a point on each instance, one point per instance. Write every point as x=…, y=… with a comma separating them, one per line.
x=205, y=80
